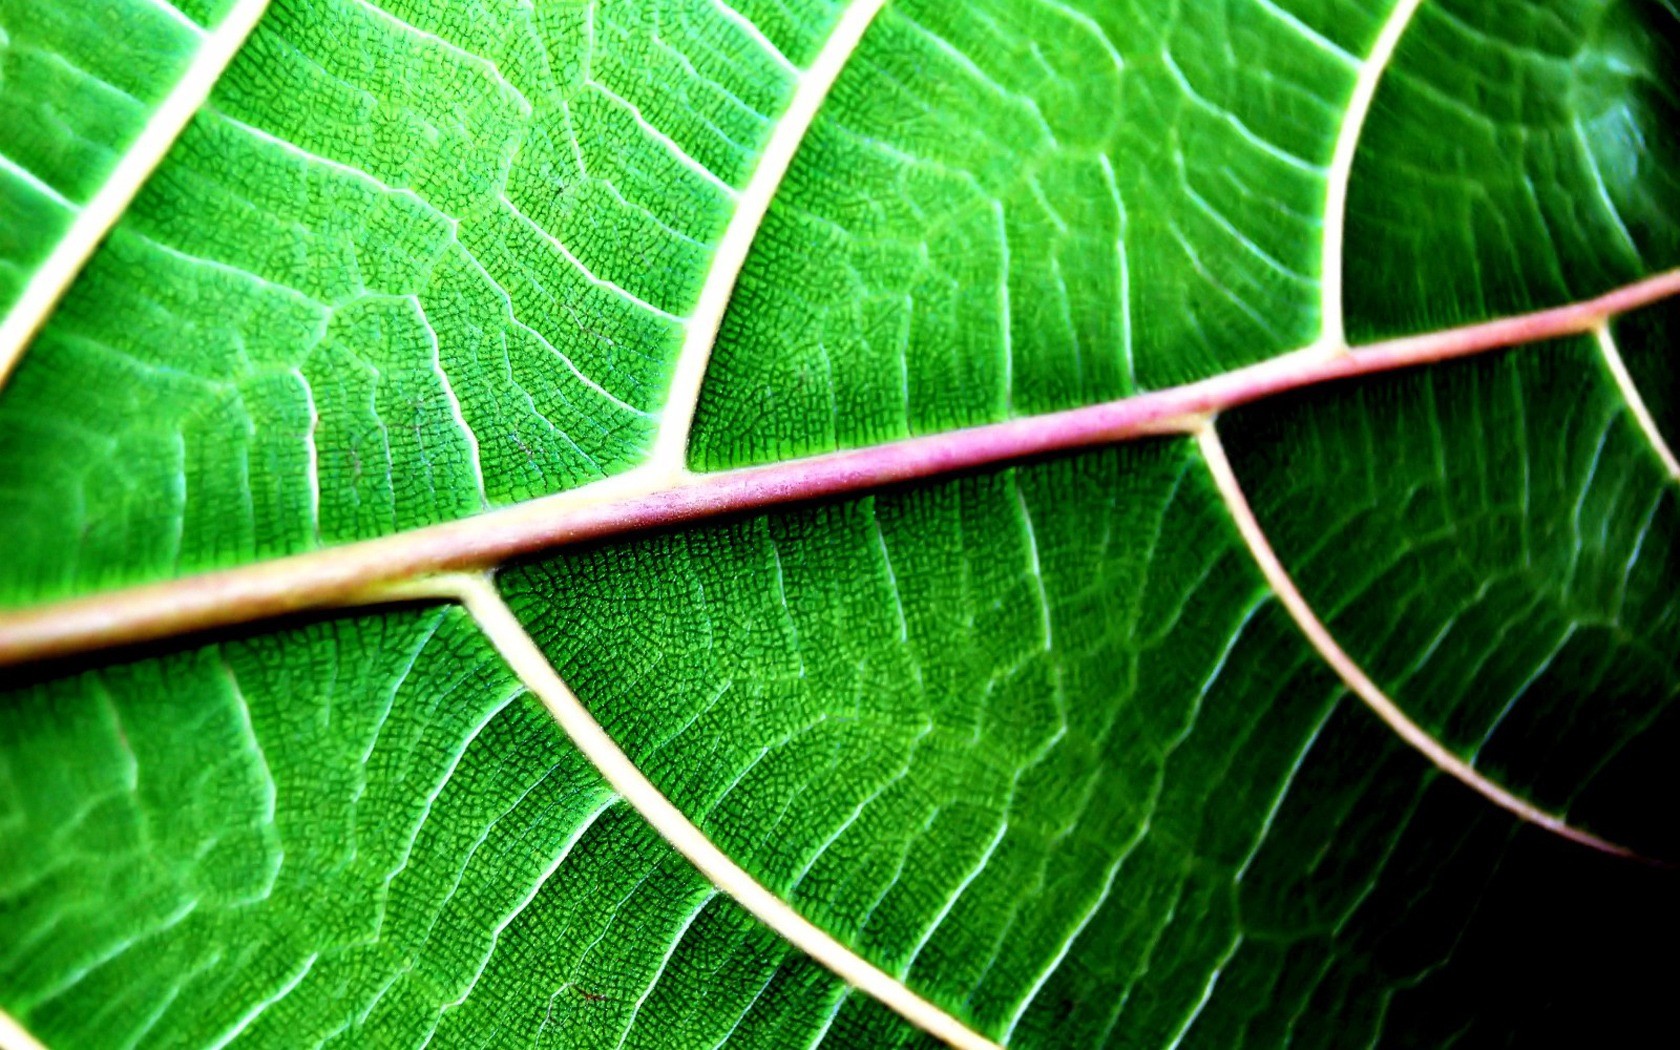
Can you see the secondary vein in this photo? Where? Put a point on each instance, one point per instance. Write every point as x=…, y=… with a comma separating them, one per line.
x=1333, y=332
x=499, y=624
x=93, y=222
x=1354, y=676
x=1635, y=400
x=670, y=450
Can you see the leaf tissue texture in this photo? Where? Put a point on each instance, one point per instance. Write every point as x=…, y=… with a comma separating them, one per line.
x=939, y=723
x=790, y=523
x=1439, y=543
x=77, y=97
x=1073, y=203
x=392, y=861
x=1561, y=176
x=407, y=264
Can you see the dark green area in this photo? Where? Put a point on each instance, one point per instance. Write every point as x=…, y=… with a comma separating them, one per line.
x=1490, y=541
x=1519, y=156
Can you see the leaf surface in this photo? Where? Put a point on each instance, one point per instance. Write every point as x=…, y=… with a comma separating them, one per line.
x=360, y=831
x=1024, y=621
x=92, y=112
x=1559, y=181
x=406, y=264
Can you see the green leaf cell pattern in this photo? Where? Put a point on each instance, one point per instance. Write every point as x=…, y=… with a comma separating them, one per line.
x=1018, y=206
x=1488, y=541
x=76, y=96
x=1519, y=156
x=360, y=832
x=1037, y=739
x=1039, y=742
x=411, y=262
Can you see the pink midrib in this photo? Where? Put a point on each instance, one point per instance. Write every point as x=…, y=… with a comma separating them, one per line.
x=344, y=575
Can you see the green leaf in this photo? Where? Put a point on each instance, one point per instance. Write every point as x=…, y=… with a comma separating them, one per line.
x=405, y=265
x=801, y=523
x=361, y=830
x=1535, y=643
x=1085, y=201
x=1560, y=178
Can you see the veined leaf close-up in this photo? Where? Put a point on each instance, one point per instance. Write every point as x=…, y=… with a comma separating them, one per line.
x=838, y=523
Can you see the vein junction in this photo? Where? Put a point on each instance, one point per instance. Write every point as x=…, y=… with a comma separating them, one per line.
x=1213, y=453
x=447, y=329
x=404, y=318
x=480, y=597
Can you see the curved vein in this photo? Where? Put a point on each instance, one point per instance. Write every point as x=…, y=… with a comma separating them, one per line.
x=481, y=599
x=1340, y=176
x=670, y=450
x=647, y=497
x=1635, y=400
x=1354, y=677
x=50, y=282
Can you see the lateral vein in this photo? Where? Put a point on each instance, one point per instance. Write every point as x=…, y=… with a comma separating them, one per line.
x=811, y=89
x=1332, y=256
x=1354, y=676
x=93, y=222
x=14, y=1036
x=481, y=599
x=1635, y=400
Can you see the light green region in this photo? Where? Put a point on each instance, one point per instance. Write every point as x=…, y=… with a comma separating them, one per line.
x=1018, y=206
x=1493, y=543
x=356, y=833
x=1519, y=156
x=411, y=262
x=76, y=92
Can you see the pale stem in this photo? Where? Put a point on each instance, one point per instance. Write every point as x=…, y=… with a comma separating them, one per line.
x=1340, y=176
x=14, y=1036
x=480, y=598
x=1635, y=401
x=1353, y=676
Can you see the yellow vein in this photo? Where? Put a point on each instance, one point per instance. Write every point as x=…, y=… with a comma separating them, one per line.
x=1635, y=400
x=91, y=225
x=670, y=450
x=1353, y=676
x=481, y=599
x=1332, y=256
x=13, y=1036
